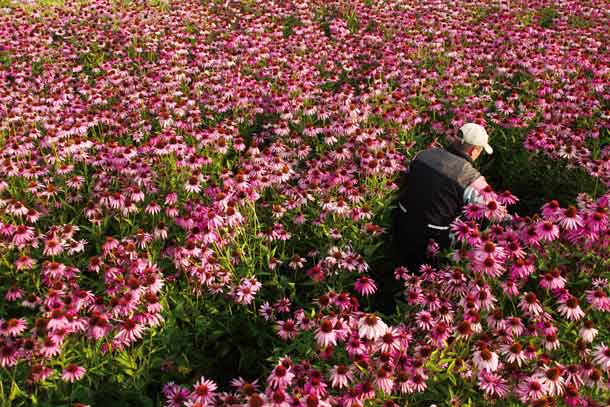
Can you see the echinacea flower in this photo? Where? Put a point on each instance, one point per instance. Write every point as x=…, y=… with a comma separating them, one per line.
x=203, y=391
x=485, y=359
x=340, y=376
x=365, y=286
x=529, y=303
x=552, y=380
x=9, y=355
x=280, y=377
x=570, y=309
x=513, y=353
x=13, y=326
x=530, y=389
x=601, y=356
x=599, y=300
x=588, y=332
x=325, y=334
x=370, y=326
x=72, y=373
x=493, y=384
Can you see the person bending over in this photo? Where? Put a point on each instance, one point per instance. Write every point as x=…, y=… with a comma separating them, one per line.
x=439, y=182
x=436, y=186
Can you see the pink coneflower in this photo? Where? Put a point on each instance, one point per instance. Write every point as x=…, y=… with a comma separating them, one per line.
x=529, y=303
x=130, y=331
x=530, y=236
x=286, y=329
x=588, y=331
x=570, y=309
x=98, y=325
x=175, y=395
x=23, y=235
x=492, y=384
x=325, y=334
x=110, y=244
x=365, y=286
x=153, y=208
x=530, y=389
x=601, y=356
x=485, y=359
x=192, y=185
x=547, y=230
x=52, y=247
x=569, y=219
x=13, y=327
x=13, y=294
x=370, y=326
x=389, y=341
x=488, y=266
x=552, y=280
x=49, y=348
x=460, y=230
x=25, y=263
x=552, y=380
x=245, y=387
x=203, y=391
x=474, y=211
x=522, y=268
x=513, y=353
x=280, y=377
x=57, y=321
x=550, y=209
x=551, y=342
x=439, y=333
x=510, y=288
x=383, y=380
x=573, y=376
x=598, y=299
x=9, y=355
x=341, y=376
x=266, y=311
x=40, y=373
x=515, y=326
x=507, y=198
x=355, y=346
x=245, y=293
x=424, y=320
x=494, y=211
x=464, y=330
x=72, y=373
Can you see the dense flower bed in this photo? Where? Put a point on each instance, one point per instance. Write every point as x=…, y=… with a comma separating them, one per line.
x=186, y=181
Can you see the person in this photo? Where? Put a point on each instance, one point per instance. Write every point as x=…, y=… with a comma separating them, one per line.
x=436, y=186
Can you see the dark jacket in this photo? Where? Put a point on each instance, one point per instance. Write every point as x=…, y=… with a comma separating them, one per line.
x=434, y=187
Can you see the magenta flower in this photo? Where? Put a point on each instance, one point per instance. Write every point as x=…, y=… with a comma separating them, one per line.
x=365, y=285
x=203, y=391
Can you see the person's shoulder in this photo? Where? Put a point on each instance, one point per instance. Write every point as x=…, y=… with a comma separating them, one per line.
x=468, y=174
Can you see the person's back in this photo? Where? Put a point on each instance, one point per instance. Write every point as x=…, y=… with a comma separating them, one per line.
x=435, y=188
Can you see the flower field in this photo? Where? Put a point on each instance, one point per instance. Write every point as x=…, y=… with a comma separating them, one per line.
x=195, y=200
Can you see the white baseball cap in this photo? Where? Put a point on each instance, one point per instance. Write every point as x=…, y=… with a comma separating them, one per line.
x=476, y=135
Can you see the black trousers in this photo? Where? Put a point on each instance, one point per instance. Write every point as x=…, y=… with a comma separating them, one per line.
x=408, y=246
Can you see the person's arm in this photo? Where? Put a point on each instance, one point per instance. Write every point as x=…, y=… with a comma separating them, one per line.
x=472, y=191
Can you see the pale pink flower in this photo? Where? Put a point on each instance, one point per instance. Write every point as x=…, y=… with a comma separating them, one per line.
x=72, y=373
x=340, y=376
x=370, y=326
x=325, y=334
x=485, y=359
x=601, y=356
